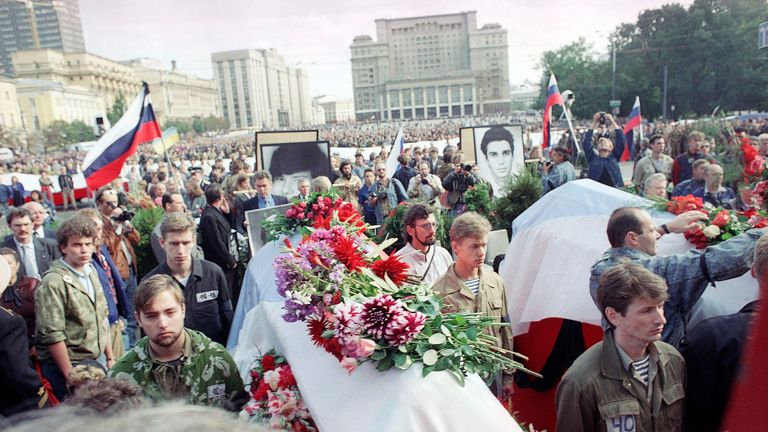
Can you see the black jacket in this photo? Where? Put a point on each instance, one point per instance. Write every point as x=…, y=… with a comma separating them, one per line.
x=215, y=232
x=22, y=389
x=253, y=203
x=207, y=299
x=46, y=252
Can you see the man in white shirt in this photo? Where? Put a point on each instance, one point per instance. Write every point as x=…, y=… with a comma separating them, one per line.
x=35, y=254
x=427, y=260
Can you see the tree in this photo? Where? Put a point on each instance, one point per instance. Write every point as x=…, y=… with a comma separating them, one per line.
x=59, y=134
x=118, y=109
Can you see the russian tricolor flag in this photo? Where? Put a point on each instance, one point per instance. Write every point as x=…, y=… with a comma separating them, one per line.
x=398, y=148
x=634, y=120
x=137, y=126
x=553, y=98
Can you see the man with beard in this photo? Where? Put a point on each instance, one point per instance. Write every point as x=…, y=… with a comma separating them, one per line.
x=428, y=261
x=173, y=362
x=348, y=185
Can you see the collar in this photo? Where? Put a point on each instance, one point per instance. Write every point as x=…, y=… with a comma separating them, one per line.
x=186, y=350
x=625, y=251
x=197, y=269
x=86, y=273
x=30, y=243
x=612, y=365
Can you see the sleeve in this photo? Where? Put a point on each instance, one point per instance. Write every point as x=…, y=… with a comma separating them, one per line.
x=23, y=383
x=133, y=237
x=637, y=173
x=214, y=238
x=225, y=299
x=122, y=298
x=235, y=387
x=675, y=172
x=157, y=250
x=586, y=145
x=572, y=414
x=399, y=191
x=413, y=187
x=436, y=185
x=362, y=196
x=448, y=181
x=619, y=143
x=49, y=311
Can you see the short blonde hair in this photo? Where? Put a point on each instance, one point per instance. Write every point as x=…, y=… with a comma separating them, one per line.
x=176, y=222
x=469, y=224
x=151, y=287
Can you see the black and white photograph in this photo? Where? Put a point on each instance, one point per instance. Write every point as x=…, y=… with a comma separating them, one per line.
x=291, y=162
x=256, y=236
x=499, y=154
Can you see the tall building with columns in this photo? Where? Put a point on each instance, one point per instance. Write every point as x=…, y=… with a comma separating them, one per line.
x=429, y=67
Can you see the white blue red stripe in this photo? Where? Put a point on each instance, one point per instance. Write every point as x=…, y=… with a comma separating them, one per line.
x=553, y=98
x=137, y=126
x=634, y=119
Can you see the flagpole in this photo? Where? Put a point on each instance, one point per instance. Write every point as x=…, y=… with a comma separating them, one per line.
x=171, y=168
x=567, y=112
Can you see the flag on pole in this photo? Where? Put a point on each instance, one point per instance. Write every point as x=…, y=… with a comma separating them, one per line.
x=398, y=147
x=105, y=160
x=634, y=120
x=169, y=139
x=553, y=98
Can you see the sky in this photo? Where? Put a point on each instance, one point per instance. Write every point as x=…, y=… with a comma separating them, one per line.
x=316, y=35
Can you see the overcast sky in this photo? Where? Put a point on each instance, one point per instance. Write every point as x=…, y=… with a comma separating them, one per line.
x=316, y=35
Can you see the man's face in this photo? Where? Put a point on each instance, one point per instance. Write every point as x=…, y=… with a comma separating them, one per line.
x=108, y=202
x=381, y=172
x=263, y=187
x=160, y=190
x=604, y=147
x=658, y=145
x=286, y=184
x=694, y=145
x=369, y=178
x=646, y=240
x=304, y=188
x=764, y=146
x=162, y=320
x=78, y=251
x=699, y=173
x=470, y=251
x=176, y=205
x=178, y=248
x=423, y=232
x=714, y=176
x=418, y=157
x=38, y=214
x=22, y=228
x=424, y=170
x=642, y=322
x=347, y=171
x=499, y=155
x=358, y=160
x=658, y=189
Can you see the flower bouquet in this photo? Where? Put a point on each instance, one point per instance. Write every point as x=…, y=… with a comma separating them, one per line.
x=275, y=397
x=317, y=211
x=359, y=305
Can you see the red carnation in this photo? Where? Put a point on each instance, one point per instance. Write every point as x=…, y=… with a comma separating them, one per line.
x=261, y=391
x=392, y=267
x=322, y=222
x=267, y=363
x=287, y=379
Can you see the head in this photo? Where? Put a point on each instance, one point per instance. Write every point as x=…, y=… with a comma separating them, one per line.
x=160, y=310
x=20, y=221
x=762, y=142
x=214, y=196
x=535, y=153
x=346, y=169
x=76, y=238
x=631, y=298
x=106, y=200
x=423, y=168
x=292, y=162
x=498, y=147
x=714, y=176
x=174, y=203
x=263, y=183
x=193, y=189
x=560, y=155
x=699, y=169
x=177, y=231
x=604, y=147
x=38, y=213
x=98, y=223
x=303, y=187
x=420, y=226
x=695, y=140
x=160, y=189
x=12, y=259
x=656, y=185
x=369, y=176
x=469, y=238
x=404, y=159
x=321, y=184
x=632, y=227
x=359, y=159
x=381, y=171
x=657, y=144
x=243, y=183
x=36, y=196
x=108, y=396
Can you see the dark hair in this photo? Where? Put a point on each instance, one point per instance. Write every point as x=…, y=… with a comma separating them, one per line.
x=344, y=163
x=161, y=176
x=368, y=170
x=293, y=158
x=213, y=193
x=403, y=159
x=17, y=212
x=166, y=200
x=78, y=226
x=622, y=221
x=654, y=137
x=626, y=281
x=497, y=133
x=562, y=151
x=414, y=213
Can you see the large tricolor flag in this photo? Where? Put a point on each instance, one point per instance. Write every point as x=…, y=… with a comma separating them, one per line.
x=398, y=147
x=138, y=125
x=634, y=120
x=553, y=98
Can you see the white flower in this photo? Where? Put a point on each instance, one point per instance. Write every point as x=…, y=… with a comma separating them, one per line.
x=272, y=378
x=711, y=231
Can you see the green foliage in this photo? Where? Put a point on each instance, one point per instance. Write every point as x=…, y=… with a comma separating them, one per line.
x=60, y=133
x=393, y=226
x=478, y=199
x=144, y=222
x=198, y=124
x=118, y=108
x=523, y=190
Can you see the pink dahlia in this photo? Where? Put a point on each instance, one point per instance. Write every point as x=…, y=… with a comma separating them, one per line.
x=348, y=319
x=379, y=313
x=405, y=327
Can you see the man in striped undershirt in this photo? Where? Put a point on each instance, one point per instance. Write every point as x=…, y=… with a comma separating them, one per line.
x=631, y=381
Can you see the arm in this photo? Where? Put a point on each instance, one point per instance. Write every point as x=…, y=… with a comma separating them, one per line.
x=413, y=186
x=224, y=299
x=448, y=181
x=435, y=183
x=21, y=380
x=60, y=356
x=586, y=145
x=619, y=143
x=215, y=237
x=572, y=415
x=108, y=351
x=50, y=321
x=399, y=191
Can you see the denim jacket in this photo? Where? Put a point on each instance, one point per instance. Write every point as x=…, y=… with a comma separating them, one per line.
x=687, y=275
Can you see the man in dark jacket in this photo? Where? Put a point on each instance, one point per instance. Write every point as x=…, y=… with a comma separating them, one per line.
x=216, y=232
x=604, y=160
x=206, y=294
x=35, y=254
x=405, y=173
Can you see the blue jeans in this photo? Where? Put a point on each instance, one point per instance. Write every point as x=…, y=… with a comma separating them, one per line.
x=131, y=326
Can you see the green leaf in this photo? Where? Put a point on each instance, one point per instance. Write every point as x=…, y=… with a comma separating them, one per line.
x=385, y=364
x=437, y=339
x=378, y=354
x=402, y=348
x=427, y=370
x=399, y=358
x=407, y=362
x=447, y=352
x=446, y=331
x=460, y=320
x=429, y=358
x=471, y=333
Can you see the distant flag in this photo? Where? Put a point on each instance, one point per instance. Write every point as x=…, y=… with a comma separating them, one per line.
x=553, y=98
x=398, y=147
x=170, y=138
x=634, y=120
x=105, y=160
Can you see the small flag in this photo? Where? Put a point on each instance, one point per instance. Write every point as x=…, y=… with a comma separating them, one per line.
x=138, y=125
x=634, y=120
x=398, y=147
x=553, y=98
x=170, y=138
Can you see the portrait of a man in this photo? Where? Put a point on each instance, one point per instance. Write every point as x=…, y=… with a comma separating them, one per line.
x=290, y=162
x=499, y=153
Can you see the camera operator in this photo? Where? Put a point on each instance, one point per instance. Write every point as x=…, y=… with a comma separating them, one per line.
x=425, y=186
x=120, y=237
x=456, y=183
x=604, y=158
x=385, y=193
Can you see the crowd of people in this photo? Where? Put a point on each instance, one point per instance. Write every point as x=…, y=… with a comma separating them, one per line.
x=79, y=322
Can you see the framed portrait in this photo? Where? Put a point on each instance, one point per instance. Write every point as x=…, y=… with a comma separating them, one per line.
x=291, y=162
x=256, y=236
x=282, y=137
x=498, y=152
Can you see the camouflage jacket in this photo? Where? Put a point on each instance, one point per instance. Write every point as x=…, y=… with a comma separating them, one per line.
x=208, y=372
x=65, y=312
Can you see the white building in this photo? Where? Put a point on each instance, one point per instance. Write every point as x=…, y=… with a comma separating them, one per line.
x=258, y=90
x=42, y=102
x=431, y=66
x=336, y=111
x=10, y=116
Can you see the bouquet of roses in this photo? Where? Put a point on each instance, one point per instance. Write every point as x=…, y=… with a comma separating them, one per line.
x=359, y=305
x=723, y=224
x=275, y=397
x=318, y=211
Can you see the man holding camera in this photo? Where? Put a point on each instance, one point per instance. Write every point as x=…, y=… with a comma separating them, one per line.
x=385, y=193
x=120, y=237
x=604, y=157
x=425, y=186
x=456, y=183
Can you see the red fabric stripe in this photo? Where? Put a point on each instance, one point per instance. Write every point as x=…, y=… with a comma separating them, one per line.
x=147, y=132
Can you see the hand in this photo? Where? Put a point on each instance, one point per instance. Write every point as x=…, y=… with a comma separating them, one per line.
x=111, y=362
x=596, y=118
x=686, y=221
x=121, y=324
x=508, y=388
x=546, y=167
